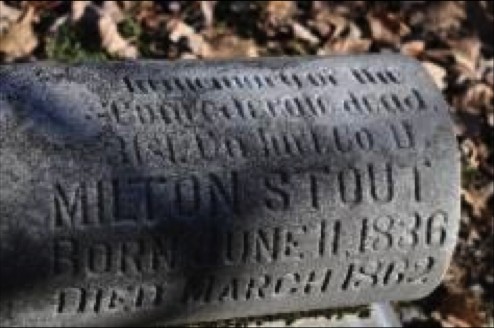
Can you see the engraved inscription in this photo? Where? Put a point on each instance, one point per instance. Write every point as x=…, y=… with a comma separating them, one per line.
x=358, y=275
x=213, y=195
x=153, y=253
x=370, y=75
x=211, y=289
x=204, y=191
x=184, y=112
x=320, y=78
x=114, y=201
x=371, y=274
x=392, y=103
x=293, y=141
x=79, y=300
x=386, y=232
x=173, y=111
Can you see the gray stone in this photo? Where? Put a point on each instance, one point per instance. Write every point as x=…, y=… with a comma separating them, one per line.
x=194, y=191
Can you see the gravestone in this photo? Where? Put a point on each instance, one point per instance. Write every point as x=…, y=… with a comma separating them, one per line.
x=196, y=191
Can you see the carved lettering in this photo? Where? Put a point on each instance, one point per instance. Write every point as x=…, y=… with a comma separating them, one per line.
x=386, y=273
x=375, y=76
x=320, y=78
x=297, y=140
x=202, y=191
x=80, y=300
x=150, y=254
x=148, y=200
x=387, y=103
x=403, y=232
x=144, y=200
x=215, y=289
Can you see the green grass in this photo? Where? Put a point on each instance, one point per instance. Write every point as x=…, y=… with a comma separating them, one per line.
x=469, y=175
x=130, y=29
x=72, y=44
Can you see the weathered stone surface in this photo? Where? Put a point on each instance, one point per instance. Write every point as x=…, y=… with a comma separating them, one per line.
x=195, y=191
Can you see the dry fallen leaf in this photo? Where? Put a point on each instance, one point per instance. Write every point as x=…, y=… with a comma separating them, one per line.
x=347, y=46
x=476, y=155
x=354, y=32
x=469, y=152
x=105, y=18
x=207, y=9
x=8, y=15
x=487, y=71
x=444, y=16
x=457, y=322
x=112, y=9
x=280, y=11
x=179, y=29
x=328, y=24
x=387, y=27
x=439, y=56
x=437, y=73
x=477, y=98
x=41, y=5
x=78, y=9
x=112, y=41
x=459, y=305
x=413, y=48
x=302, y=33
x=277, y=18
x=466, y=52
x=19, y=40
x=231, y=46
x=147, y=14
x=478, y=198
